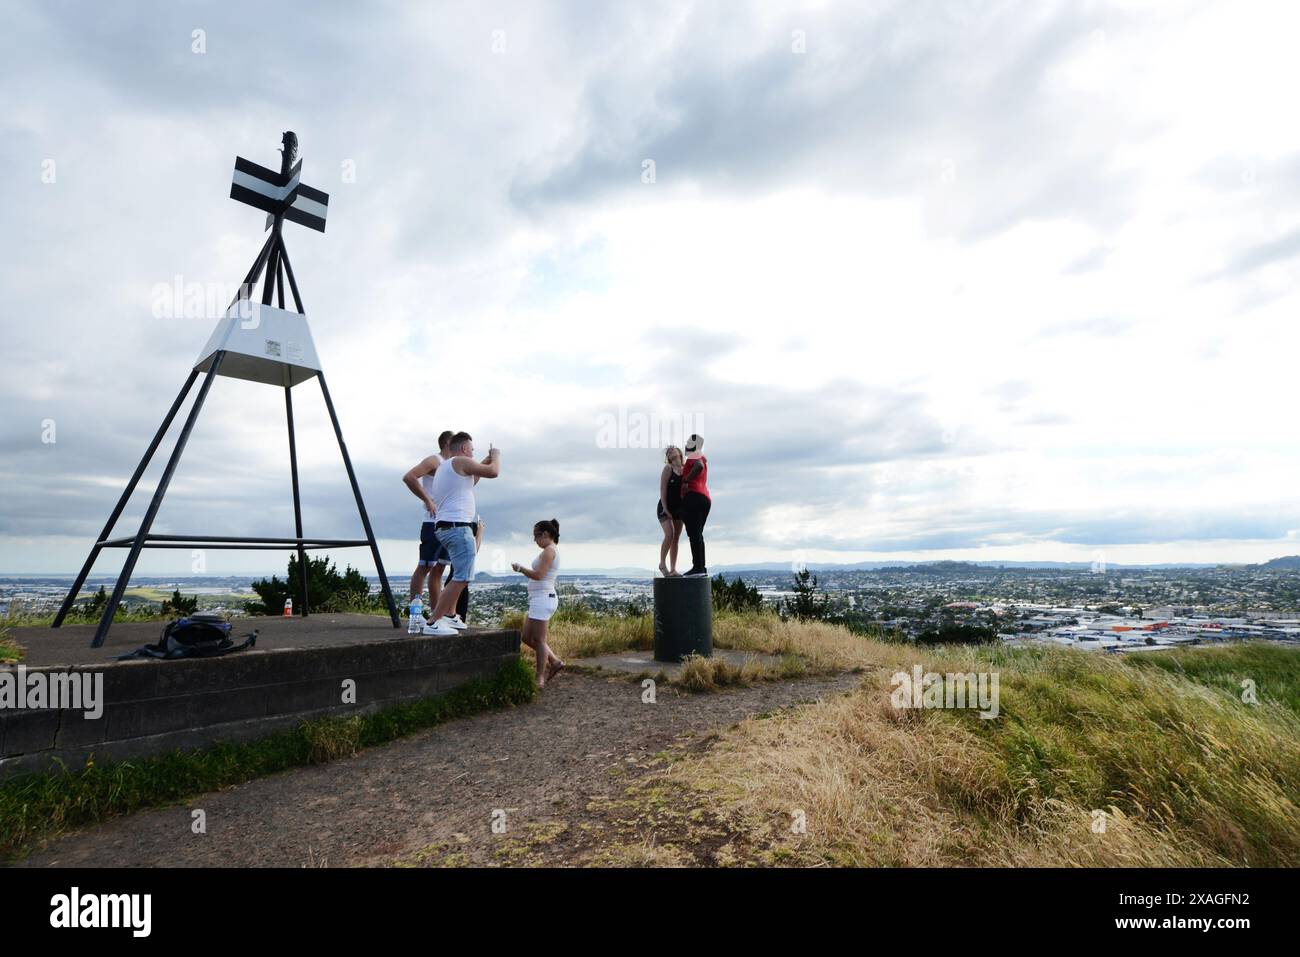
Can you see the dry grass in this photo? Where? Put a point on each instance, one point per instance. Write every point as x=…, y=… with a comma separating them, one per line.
x=804, y=648
x=823, y=648
x=712, y=674
x=580, y=635
x=1179, y=773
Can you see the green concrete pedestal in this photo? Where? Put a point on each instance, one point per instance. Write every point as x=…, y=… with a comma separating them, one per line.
x=683, y=618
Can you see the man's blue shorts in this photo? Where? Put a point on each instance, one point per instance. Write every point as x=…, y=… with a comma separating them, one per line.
x=459, y=545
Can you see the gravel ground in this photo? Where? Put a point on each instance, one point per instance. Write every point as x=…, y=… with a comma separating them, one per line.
x=545, y=765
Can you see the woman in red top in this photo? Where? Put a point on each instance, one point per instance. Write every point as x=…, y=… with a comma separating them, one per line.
x=695, y=502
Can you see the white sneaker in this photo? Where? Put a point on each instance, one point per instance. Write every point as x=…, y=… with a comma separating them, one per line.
x=456, y=622
x=440, y=627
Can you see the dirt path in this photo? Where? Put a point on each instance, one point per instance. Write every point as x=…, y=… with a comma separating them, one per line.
x=432, y=797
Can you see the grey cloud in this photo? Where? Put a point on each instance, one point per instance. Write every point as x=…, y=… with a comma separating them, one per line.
x=1093, y=259
x=768, y=445
x=851, y=112
x=964, y=528
x=1095, y=327
x=1263, y=254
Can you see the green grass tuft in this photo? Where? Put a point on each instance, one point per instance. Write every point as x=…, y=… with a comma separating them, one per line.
x=1164, y=737
x=1272, y=669
x=10, y=650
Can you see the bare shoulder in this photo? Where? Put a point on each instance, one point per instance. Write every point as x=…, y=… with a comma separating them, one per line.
x=427, y=466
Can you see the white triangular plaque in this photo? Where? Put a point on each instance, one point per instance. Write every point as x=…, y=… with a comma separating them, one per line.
x=262, y=344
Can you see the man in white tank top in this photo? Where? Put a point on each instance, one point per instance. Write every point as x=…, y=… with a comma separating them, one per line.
x=433, y=558
x=453, y=506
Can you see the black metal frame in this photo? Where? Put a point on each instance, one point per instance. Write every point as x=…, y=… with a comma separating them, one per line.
x=275, y=260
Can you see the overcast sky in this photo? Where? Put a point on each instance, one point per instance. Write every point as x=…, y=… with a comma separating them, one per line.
x=935, y=280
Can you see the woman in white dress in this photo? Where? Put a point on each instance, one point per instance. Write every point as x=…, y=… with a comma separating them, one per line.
x=543, y=598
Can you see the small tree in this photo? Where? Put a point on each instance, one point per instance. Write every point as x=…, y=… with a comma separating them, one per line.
x=96, y=604
x=94, y=607
x=807, y=604
x=735, y=595
x=178, y=604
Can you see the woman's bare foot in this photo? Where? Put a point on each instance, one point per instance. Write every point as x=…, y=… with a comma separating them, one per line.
x=663, y=569
x=554, y=668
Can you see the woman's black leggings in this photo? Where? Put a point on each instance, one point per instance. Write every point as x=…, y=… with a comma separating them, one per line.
x=462, y=603
x=695, y=512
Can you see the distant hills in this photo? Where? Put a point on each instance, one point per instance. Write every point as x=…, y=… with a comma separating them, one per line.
x=1287, y=563
x=938, y=567
x=945, y=565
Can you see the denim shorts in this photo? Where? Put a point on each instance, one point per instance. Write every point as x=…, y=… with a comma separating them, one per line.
x=459, y=544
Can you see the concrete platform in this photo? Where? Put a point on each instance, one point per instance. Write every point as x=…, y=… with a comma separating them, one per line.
x=70, y=645
x=301, y=669
x=643, y=662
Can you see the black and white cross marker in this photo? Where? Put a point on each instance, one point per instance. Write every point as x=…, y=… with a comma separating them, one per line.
x=280, y=193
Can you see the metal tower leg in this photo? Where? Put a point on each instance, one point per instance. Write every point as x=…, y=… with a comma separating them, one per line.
x=297, y=501
x=107, y=620
x=361, y=506
x=126, y=496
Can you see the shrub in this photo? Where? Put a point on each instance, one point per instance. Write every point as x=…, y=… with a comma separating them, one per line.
x=735, y=595
x=327, y=590
x=179, y=605
x=957, y=633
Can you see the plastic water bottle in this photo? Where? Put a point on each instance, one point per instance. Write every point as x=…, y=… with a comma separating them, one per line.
x=415, y=624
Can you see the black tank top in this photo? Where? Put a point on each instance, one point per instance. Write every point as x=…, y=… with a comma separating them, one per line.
x=674, y=495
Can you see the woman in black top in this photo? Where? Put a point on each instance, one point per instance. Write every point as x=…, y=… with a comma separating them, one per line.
x=669, y=510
